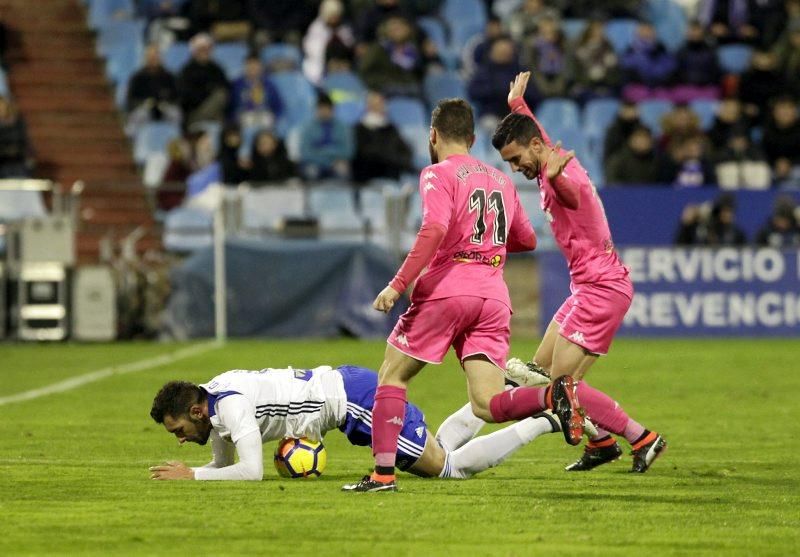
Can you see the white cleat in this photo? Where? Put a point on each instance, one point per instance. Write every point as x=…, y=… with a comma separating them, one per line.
x=525, y=374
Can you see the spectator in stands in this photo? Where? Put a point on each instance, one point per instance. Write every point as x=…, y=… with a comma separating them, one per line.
x=207, y=170
x=232, y=165
x=524, y=23
x=594, y=65
x=547, y=58
x=328, y=36
x=15, y=151
x=373, y=17
x=788, y=54
x=712, y=226
x=587, y=9
x=782, y=230
x=395, y=64
x=781, y=139
x=740, y=164
x=255, y=101
x=727, y=20
x=476, y=51
x=152, y=93
x=269, y=161
x=326, y=144
x=380, y=149
x=688, y=166
x=282, y=20
x=621, y=128
x=202, y=86
x=488, y=88
x=647, y=63
x=225, y=20
x=729, y=119
x=769, y=17
x=678, y=125
x=172, y=190
x=760, y=84
x=636, y=163
x=698, y=75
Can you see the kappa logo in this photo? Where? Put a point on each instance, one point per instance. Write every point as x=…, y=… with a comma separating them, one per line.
x=577, y=336
x=419, y=431
x=401, y=339
x=429, y=186
x=429, y=175
x=396, y=420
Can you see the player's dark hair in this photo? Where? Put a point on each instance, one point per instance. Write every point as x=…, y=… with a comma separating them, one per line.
x=175, y=399
x=453, y=120
x=515, y=127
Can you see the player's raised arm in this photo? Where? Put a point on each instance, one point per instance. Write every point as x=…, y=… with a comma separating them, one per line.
x=516, y=102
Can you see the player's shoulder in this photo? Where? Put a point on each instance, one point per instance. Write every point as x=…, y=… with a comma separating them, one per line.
x=438, y=171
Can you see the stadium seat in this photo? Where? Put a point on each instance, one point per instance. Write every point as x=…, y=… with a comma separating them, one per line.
x=598, y=114
x=116, y=33
x=176, y=56
x=104, y=12
x=734, y=58
x=231, y=57
x=18, y=205
x=435, y=31
x=343, y=83
x=651, y=112
x=466, y=18
x=573, y=139
x=281, y=57
x=444, y=85
x=416, y=136
x=335, y=208
x=4, y=90
x=299, y=98
x=558, y=113
x=407, y=111
x=155, y=165
x=153, y=137
x=187, y=229
x=350, y=111
x=265, y=208
x=123, y=61
x=706, y=109
x=573, y=28
x=670, y=21
x=620, y=33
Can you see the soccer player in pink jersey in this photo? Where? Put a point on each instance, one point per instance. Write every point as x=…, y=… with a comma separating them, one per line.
x=584, y=326
x=471, y=218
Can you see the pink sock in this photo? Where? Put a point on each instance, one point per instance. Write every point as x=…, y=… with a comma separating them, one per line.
x=601, y=409
x=517, y=404
x=633, y=431
x=600, y=434
x=387, y=422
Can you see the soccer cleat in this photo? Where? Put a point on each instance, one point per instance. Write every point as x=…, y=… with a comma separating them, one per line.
x=595, y=456
x=368, y=485
x=564, y=403
x=530, y=374
x=647, y=453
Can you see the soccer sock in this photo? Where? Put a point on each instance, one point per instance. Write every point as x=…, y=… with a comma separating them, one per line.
x=458, y=428
x=602, y=435
x=517, y=404
x=387, y=422
x=607, y=414
x=490, y=450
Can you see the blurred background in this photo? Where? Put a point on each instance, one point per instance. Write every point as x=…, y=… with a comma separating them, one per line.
x=175, y=169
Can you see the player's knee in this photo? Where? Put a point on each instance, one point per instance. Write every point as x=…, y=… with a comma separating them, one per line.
x=481, y=410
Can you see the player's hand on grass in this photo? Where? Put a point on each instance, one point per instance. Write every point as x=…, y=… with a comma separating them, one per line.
x=386, y=299
x=171, y=470
x=518, y=86
x=556, y=160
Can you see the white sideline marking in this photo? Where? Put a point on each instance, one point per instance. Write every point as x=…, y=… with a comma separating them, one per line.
x=92, y=376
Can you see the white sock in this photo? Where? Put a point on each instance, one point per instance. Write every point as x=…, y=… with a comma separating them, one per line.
x=490, y=450
x=458, y=428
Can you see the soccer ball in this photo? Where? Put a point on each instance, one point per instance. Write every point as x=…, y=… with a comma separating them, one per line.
x=300, y=458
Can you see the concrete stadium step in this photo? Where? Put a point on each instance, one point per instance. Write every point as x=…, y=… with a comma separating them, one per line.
x=69, y=120
x=76, y=68
x=23, y=76
x=32, y=53
x=119, y=160
x=114, y=217
x=88, y=147
x=72, y=103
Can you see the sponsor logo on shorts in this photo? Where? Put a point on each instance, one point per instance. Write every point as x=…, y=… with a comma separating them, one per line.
x=396, y=420
x=475, y=257
x=401, y=339
x=577, y=336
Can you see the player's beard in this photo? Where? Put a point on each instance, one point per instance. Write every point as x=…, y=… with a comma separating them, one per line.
x=432, y=151
x=203, y=430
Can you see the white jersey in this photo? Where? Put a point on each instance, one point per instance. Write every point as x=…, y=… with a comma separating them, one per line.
x=285, y=402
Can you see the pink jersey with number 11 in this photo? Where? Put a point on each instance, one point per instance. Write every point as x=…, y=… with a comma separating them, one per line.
x=582, y=234
x=479, y=206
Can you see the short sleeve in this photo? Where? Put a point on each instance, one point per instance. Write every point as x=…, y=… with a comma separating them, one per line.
x=437, y=199
x=237, y=416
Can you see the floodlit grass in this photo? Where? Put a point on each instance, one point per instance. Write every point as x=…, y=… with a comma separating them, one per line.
x=74, y=465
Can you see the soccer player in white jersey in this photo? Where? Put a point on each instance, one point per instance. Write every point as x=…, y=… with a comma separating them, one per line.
x=584, y=326
x=239, y=410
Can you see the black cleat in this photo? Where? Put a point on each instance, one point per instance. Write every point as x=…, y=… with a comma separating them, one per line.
x=367, y=484
x=595, y=456
x=565, y=405
x=644, y=456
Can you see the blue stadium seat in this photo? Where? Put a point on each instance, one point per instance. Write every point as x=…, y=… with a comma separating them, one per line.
x=558, y=113
x=116, y=33
x=176, y=56
x=335, y=208
x=620, y=33
x=153, y=137
x=573, y=139
x=343, y=86
x=407, y=111
x=281, y=55
x=231, y=57
x=123, y=60
x=103, y=12
x=350, y=111
x=466, y=18
x=670, y=21
x=416, y=136
x=651, y=112
x=598, y=114
x=438, y=86
x=265, y=208
x=435, y=31
x=299, y=99
x=187, y=229
x=734, y=58
x=573, y=28
x=706, y=109
x=4, y=90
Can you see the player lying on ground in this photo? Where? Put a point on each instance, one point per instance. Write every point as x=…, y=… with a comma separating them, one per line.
x=471, y=219
x=239, y=410
x=584, y=326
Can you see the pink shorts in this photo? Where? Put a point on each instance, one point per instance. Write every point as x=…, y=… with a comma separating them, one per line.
x=594, y=312
x=469, y=324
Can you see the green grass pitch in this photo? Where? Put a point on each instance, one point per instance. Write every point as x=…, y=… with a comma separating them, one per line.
x=74, y=480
